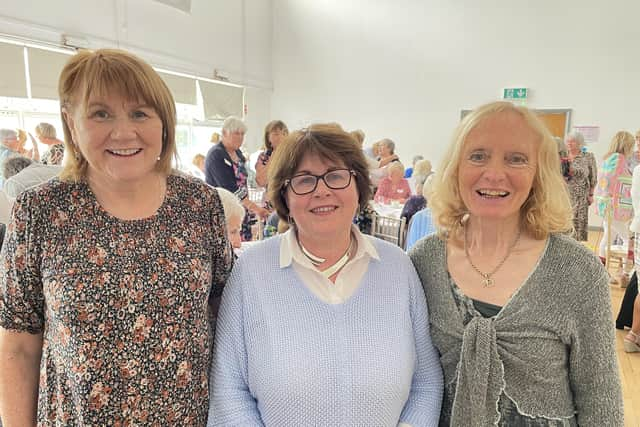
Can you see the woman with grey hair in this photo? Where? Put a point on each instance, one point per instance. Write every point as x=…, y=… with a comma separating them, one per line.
x=14, y=164
x=225, y=166
x=580, y=183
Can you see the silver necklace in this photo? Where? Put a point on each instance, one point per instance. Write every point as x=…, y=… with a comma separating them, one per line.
x=487, y=280
x=316, y=260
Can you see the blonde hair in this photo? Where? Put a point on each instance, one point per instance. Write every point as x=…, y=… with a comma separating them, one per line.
x=427, y=187
x=197, y=159
x=96, y=73
x=22, y=136
x=46, y=130
x=422, y=167
x=622, y=143
x=548, y=207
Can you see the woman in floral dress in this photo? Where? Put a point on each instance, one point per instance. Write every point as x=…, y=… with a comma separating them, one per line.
x=110, y=274
x=581, y=181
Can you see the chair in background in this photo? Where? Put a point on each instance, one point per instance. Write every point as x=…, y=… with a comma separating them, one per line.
x=390, y=229
x=256, y=195
x=617, y=255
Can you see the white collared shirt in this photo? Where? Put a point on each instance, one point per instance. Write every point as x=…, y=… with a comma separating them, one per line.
x=348, y=278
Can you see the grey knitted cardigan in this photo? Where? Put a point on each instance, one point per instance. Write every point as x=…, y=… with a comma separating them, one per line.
x=550, y=349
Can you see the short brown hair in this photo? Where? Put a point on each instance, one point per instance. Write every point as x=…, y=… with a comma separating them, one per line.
x=103, y=71
x=270, y=127
x=327, y=141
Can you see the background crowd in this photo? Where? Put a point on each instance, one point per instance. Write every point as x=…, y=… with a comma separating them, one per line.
x=118, y=272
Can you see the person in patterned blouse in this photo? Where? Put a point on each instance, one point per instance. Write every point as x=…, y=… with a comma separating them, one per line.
x=110, y=275
x=46, y=133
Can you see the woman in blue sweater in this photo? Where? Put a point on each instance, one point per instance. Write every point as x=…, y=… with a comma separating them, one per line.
x=323, y=325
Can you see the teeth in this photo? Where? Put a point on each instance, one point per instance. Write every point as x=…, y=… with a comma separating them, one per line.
x=126, y=152
x=324, y=209
x=493, y=193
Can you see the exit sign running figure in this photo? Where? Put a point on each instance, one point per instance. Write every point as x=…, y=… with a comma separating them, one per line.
x=515, y=93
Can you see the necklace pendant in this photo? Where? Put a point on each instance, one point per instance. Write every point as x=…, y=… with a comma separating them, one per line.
x=487, y=282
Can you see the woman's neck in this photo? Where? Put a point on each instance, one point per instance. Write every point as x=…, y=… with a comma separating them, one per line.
x=232, y=153
x=490, y=235
x=127, y=200
x=330, y=249
x=51, y=141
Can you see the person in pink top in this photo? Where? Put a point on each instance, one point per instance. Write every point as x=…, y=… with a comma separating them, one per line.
x=394, y=186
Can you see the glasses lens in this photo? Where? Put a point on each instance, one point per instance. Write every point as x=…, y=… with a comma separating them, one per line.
x=303, y=184
x=337, y=179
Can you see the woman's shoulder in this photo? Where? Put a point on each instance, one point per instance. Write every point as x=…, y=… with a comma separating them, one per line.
x=570, y=258
x=51, y=190
x=430, y=247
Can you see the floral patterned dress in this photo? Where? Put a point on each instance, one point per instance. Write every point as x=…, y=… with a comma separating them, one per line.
x=241, y=175
x=125, y=306
x=54, y=155
x=582, y=180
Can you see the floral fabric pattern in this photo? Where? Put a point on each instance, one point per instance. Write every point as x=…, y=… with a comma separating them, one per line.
x=240, y=172
x=54, y=155
x=126, y=308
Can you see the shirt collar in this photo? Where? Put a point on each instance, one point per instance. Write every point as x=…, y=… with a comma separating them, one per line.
x=290, y=250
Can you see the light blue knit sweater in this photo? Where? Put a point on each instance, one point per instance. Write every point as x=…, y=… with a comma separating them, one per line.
x=284, y=358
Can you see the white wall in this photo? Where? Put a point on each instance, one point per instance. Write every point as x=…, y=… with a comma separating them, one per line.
x=230, y=35
x=405, y=68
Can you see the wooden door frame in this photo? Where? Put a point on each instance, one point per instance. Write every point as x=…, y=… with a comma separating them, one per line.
x=566, y=111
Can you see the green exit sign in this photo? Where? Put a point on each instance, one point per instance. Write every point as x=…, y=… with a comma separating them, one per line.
x=515, y=93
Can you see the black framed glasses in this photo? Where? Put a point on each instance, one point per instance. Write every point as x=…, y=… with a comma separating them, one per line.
x=306, y=183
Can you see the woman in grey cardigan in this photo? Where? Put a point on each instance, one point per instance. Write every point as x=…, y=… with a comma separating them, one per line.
x=519, y=312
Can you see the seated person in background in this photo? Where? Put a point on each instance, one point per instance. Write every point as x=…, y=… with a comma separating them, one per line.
x=21, y=173
x=46, y=133
x=9, y=146
x=413, y=204
x=421, y=171
x=197, y=166
x=421, y=224
x=409, y=172
x=394, y=186
x=233, y=215
x=14, y=164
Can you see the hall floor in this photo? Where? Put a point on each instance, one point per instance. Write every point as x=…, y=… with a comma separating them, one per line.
x=629, y=362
